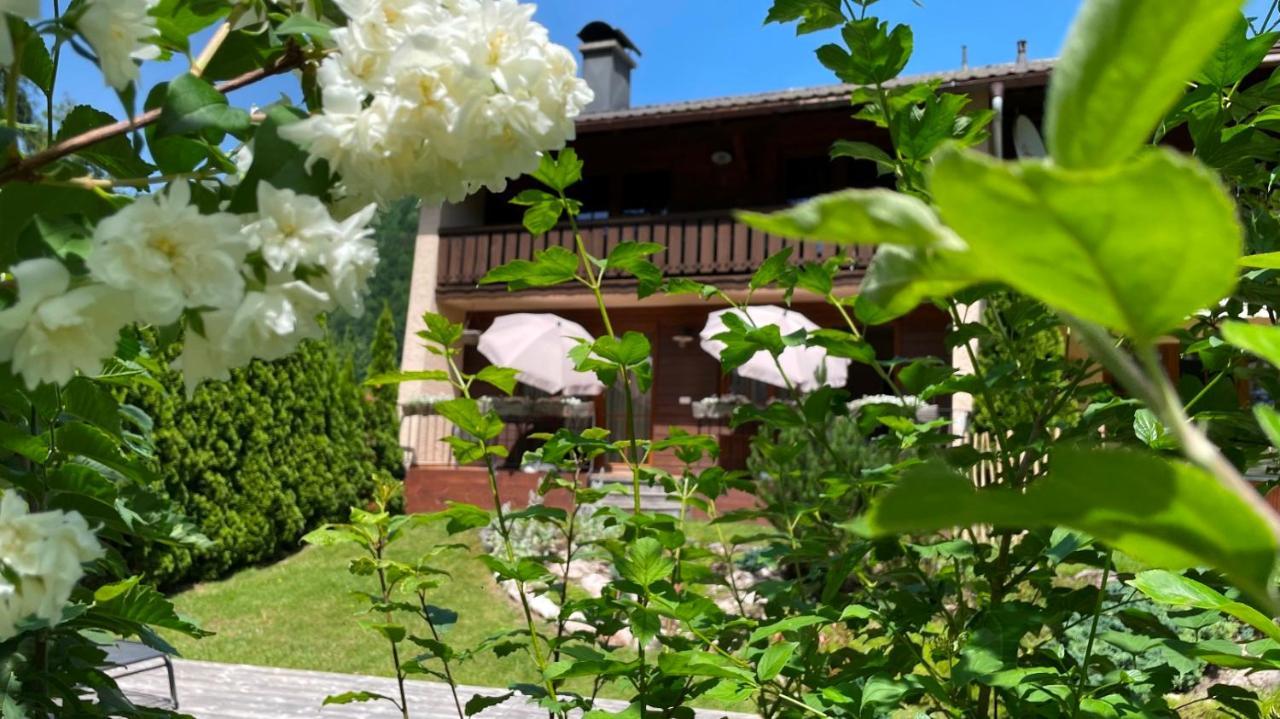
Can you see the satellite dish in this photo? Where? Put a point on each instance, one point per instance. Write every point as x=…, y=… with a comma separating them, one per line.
x=1027, y=143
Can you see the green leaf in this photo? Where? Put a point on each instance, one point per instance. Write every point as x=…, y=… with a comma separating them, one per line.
x=280, y=163
x=552, y=266
x=900, y=278
x=1269, y=420
x=1136, y=249
x=84, y=398
x=560, y=172
x=115, y=155
x=461, y=517
x=504, y=378
x=773, y=268
x=192, y=105
x=543, y=216
x=35, y=63
x=858, y=217
x=1264, y=261
x=479, y=702
x=23, y=443
x=863, y=151
x=303, y=25
x=876, y=54
x=1236, y=56
x=695, y=663
x=1123, y=66
x=355, y=697
x=390, y=378
x=628, y=255
x=813, y=15
x=774, y=659
x=1260, y=340
x=645, y=562
x=440, y=330
x=1164, y=513
x=630, y=351
x=466, y=414
x=790, y=624
x=1178, y=591
x=126, y=605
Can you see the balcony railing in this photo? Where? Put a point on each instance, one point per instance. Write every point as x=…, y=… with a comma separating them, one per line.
x=711, y=245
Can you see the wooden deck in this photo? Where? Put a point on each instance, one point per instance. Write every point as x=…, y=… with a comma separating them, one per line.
x=231, y=691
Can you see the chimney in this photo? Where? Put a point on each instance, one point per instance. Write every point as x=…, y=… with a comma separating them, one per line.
x=1021, y=62
x=607, y=66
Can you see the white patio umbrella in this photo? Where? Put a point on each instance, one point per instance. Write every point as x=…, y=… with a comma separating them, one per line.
x=807, y=367
x=538, y=346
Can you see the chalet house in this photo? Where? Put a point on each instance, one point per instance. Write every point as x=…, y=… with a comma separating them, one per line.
x=672, y=174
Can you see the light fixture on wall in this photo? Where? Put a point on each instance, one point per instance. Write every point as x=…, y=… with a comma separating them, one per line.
x=721, y=158
x=682, y=340
x=470, y=338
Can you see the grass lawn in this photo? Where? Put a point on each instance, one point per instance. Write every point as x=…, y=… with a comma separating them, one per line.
x=299, y=613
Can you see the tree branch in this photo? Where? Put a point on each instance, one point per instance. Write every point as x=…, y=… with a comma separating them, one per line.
x=26, y=168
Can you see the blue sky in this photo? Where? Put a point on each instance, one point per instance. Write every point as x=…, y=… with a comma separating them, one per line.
x=705, y=48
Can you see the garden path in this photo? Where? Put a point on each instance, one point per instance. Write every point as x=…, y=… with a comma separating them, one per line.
x=207, y=690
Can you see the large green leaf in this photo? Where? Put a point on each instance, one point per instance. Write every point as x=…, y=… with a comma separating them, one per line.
x=900, y=278
x=1137, y=248
x=863, y=217
x=645, y=563
x=552, y=266
x=1167, y=514
x=875, y=53
x=1178, y=591
x=191, y=104
x=128, y=605
x=1123, y=66
x=1260, y=340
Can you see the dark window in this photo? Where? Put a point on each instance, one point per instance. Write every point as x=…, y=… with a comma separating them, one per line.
x=805, y=177
x=646, y=193
x=593, y=193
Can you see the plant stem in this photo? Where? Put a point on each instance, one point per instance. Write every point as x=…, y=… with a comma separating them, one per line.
x=53, y=78
x=201, y=63
x=1093, y=633
x=386, y=599
x=105, y=183
x=448, y=673
x=504, y=530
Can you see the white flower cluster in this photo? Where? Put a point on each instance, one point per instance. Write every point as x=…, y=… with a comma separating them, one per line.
x=45, y=554
x=120, y=32
x=438, y=98
x=257, y=288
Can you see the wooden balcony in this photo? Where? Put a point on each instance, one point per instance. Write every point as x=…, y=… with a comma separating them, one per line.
x=704, y=245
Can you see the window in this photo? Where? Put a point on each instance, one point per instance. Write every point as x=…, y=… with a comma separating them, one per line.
x=646, y=193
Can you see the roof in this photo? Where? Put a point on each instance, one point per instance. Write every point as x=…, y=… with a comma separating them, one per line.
x=809, y=97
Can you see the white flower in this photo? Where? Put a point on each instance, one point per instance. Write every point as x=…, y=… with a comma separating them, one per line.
x=46, y=551
x=439, y=99
x=119, y=31
x=169, y=256
x=53, y=331
x=268, y=324
x=350, y=261
x=20, y=8
x=292, y=229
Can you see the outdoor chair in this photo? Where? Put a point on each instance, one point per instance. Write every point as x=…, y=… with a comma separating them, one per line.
x=125, y=659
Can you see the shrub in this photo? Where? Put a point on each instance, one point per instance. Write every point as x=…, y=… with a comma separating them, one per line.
x=258, y=461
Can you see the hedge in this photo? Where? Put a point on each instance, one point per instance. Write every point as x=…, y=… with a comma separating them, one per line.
x=258, y=461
